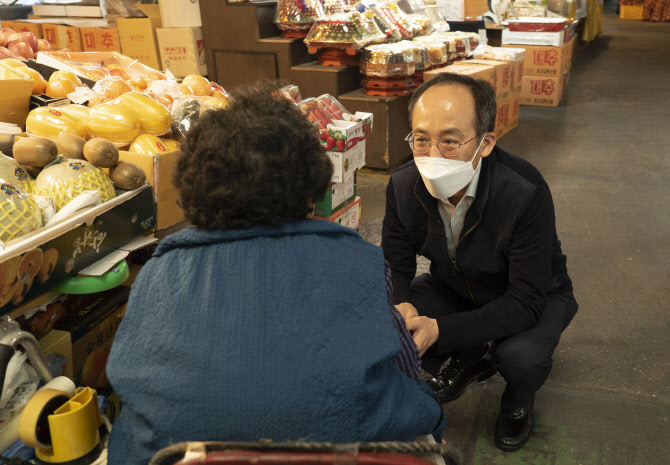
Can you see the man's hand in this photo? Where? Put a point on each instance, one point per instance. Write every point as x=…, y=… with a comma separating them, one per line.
x=424, y=331
x=407, y=310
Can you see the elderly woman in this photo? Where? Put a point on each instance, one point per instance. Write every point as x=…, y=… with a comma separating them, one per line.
x=259, y=322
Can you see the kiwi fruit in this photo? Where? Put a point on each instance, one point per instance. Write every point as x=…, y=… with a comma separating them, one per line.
x=33, y=170
x=127, y=175
x=70, y=145
x=35, y=151
x=101, y=152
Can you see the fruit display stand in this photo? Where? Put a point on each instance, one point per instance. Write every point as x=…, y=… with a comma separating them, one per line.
x=242, y=44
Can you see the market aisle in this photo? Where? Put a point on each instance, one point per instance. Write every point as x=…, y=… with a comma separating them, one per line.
x=603, y=153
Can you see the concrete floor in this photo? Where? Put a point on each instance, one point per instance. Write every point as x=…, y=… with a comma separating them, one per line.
x=603, y=152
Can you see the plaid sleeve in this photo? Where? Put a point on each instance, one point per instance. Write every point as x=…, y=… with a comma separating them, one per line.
x=409, y=358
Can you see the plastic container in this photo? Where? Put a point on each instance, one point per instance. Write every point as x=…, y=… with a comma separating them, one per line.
x=420, y=52
x=370, y=10
x=348, y=30
x=333, y=108
x=387, y=60
x=298, y=15
x=437, y=49
x=315, y=112
x=291, y=92
x=398, y=18
x=421, y=24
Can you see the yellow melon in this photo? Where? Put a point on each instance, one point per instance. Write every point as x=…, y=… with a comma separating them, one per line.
x=114, y=123
x=154, y=118
x=50, y=122
x=19, y=213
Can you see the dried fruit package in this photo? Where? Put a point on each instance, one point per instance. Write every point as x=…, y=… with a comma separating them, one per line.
x=315, y=112
x=420, y=52
x=369, y=9
x=387, y=60
x=437, y=49
x=333, y=108
x=421, y=24
x=398, y=17
x=298, y=15
x=348, y=30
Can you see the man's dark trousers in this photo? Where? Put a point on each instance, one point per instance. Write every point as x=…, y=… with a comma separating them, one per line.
x=524, y=360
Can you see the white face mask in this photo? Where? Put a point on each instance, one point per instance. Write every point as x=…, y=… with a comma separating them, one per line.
x=444, y=177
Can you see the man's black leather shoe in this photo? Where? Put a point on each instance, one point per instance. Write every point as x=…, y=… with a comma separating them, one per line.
x=451, y=382
x=514, y=427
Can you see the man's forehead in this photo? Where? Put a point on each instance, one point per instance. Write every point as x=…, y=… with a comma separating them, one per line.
x=447, y=109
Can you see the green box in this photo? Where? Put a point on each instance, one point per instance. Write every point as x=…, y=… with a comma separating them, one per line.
x=337, y=195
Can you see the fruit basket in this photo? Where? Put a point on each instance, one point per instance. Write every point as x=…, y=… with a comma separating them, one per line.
x=421, y=24
x=437, y=49
x=351, y=31
x=386, y=26
x=298, y=15
x=398, y=18
x=420, y=53
x=387, y=60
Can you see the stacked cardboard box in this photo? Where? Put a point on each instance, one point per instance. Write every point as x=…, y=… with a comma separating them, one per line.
x=180, y=41
x=138, y=36
x=546, y=70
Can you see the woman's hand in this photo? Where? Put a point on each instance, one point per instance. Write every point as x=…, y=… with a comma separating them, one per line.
x=425, y=331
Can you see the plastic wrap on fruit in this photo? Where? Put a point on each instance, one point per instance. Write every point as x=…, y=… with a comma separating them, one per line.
x=419, y=51
x=12, y=171
x=369, y=9
x=349, y=30
x=298, y=15
x=388, y=60
x=437, y=49
x=108, y=89
x=421, y=24
x=433, y=12
x=315, y=112
x=399, y=18
x=333, y=108
x=19, y=213
x=186, y=112
x=417, y=6
x=65, y=179
x=291, y=92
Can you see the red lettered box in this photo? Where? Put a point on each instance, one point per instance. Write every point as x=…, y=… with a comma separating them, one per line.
x=99, y=39
x=546, y=60
x=61, y=36
x=542, y=91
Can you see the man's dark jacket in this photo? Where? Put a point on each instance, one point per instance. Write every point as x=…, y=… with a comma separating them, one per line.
x=508, y=261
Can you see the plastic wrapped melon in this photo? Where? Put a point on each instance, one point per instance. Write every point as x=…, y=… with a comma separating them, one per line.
x=51, y=122
x=65, y=180
x=19, y=213
x=12, y=171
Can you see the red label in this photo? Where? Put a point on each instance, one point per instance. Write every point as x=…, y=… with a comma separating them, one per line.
x=545, y=57
x=161, y=147
x=55, y=112
x=540, y=87
x=505, y=77
x=89, y=40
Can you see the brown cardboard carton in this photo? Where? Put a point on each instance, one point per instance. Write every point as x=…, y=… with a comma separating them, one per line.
x=474, y=70
x=16, y=88
x=546, y=60
x=513, y=112
x=24, y=26
x=138, y=36
x=158, y=168
x=502, y=117
x=542, y=90
x=61, y=36
x=182, y=50
x=99, y=39
x=500, y=76
x=516, y=74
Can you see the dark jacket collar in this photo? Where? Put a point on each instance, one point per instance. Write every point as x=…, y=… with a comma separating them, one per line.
x=475, y=211
x=193, y=237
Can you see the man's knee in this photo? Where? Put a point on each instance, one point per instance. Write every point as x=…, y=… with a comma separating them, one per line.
x=518, y=356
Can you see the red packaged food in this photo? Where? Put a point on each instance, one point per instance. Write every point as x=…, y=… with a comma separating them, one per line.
x=333, y=108
x=315, y=112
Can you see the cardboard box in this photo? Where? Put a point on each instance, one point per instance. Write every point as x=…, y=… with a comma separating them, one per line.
x=555, y=39
x=57, y=348
x=182, y=50
x=346, y=163
x=499, y=77
x=502, y=117
x=566, y=61
x=25, y=26
x=91, y=329
x=158, y=169
x=74, y=243
x=61, y=36
x=180, y=13
x=513, y=112
x=76, y=11
x=351, y=132
x=631, y=12
x=16, y=88
x=336, y=196
x=516, y=75
x=543, y=90
x=474, y=70
x=99, y=39
x=545, y=60
x=349, y=216
x=138, y=36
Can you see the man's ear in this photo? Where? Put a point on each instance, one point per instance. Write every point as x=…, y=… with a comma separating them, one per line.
x=488, y=144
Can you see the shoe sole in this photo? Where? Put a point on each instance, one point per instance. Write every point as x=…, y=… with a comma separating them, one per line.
x=481, y=378
x=516, y=447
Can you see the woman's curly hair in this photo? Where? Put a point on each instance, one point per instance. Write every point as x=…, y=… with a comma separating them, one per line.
x=257, y=163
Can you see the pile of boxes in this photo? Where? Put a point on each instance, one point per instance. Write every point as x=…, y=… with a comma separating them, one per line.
x=504, y=76
x=341, y=205
x=546, y=66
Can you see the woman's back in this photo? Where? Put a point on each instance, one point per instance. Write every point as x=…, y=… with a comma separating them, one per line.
x=280, y=333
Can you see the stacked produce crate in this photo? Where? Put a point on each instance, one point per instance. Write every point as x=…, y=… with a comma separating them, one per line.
x=343, y=136
x=180, y=39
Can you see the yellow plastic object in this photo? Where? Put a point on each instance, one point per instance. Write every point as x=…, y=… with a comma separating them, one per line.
x=50, y=122
x=114, y=123
x=64, y=181
x=146, y=143
x=154, y=118
x=72, y=431
x=19, y=213
x=12, y=171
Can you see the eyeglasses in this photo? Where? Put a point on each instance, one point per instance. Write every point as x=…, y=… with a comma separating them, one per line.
x=446, y=146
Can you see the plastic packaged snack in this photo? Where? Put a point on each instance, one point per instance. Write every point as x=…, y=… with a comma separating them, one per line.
x=437, y=50
x=420, y=52
x=65, y=180
x=433, y=12
x=370, y=9
x=387, y=60
x=19, y=213
x=486, y=52
x=398, y=18
x=315, y=112
x=348, y=30
x=333, y=108
x=421, y=24
x=298, y=15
